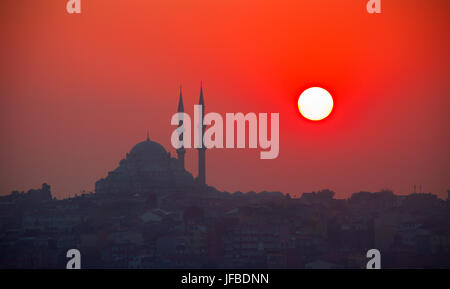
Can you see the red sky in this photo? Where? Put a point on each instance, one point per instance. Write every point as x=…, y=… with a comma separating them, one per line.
x=77, y=92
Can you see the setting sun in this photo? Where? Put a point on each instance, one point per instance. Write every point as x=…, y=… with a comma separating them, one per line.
x=315, y=103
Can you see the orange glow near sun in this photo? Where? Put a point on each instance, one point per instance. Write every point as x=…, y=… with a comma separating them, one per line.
x=315, y=103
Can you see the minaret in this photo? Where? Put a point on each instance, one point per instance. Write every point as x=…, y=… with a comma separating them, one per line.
x=202, y=150
x=181, y=151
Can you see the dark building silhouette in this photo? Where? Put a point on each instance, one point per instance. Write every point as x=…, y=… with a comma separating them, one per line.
x=147, y=168
x=150, y=212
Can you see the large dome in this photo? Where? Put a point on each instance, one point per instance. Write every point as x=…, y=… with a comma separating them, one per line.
x=148, y=150
x=147, y=168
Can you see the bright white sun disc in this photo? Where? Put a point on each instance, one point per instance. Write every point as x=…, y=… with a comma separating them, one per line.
x=315, y=103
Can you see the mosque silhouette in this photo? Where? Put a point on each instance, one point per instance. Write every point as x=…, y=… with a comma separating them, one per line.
x=148, y=167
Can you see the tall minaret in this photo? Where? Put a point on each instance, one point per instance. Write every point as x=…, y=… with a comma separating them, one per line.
x=202, y=150
x=181, y=151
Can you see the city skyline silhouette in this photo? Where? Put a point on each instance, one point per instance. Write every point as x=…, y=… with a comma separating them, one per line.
x=346, y=147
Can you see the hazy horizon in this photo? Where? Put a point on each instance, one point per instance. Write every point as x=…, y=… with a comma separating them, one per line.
x=79, y=91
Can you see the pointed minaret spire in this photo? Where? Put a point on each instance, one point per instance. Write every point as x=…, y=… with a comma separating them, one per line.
x=201, y=101
x=201, y=151
x=148, y=136
x=181, y=151
x=180, y=102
